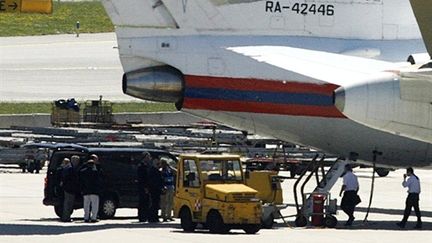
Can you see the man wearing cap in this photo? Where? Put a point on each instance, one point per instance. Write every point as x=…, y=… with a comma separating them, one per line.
x=91, y=186
x=412, y=201
x=350, y=198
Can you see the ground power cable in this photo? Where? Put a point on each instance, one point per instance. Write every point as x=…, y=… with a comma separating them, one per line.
x=365, y=220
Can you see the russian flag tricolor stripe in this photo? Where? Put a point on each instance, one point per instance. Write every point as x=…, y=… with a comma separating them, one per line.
x=258, y=85
x=260, y=96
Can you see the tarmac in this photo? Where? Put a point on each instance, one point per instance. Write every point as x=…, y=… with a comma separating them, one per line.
x=23, y=218
x=51, y=67
x=89, y=66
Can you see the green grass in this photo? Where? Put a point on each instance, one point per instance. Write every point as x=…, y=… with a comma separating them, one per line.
x=45, y=107
x=92, y=17
x=24, y=108
x=142, y=107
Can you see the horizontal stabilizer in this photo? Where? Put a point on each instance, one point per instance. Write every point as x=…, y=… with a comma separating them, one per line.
x=328, y=67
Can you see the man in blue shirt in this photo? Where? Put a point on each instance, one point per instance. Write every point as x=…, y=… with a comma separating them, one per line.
x=168, y=175
x=413, y=185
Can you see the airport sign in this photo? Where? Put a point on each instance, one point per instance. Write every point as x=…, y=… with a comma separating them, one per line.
x=10, y=5
x=26, y=6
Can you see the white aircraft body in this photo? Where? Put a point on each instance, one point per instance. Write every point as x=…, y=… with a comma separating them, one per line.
x=272, y=68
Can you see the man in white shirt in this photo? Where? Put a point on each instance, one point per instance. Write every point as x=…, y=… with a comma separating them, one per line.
x=413, y=184
x=350, y=198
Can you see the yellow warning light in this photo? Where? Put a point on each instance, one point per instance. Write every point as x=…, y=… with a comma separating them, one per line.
x=36, y=6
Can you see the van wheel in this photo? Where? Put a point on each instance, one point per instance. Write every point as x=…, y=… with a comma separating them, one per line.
x=107, y=208
x=251, y=229
x=215, y=223
x=58, y=209
x=186, y=220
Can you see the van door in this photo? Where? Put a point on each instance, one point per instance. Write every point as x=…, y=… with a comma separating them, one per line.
x=119, y=172
x=53, y=193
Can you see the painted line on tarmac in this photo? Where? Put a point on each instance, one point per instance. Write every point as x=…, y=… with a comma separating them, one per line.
x=59, y=43
x=59, y=69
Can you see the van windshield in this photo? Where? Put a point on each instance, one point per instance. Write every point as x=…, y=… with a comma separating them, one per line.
x=221, y=170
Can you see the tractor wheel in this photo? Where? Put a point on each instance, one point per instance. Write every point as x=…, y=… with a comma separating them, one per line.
x=268, y=222
x=216, y=224
x=251, y=229
x=186, y=220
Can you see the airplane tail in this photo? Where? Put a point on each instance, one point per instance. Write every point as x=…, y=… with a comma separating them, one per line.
x=423, y=13
x=185, y=14
x=360, y=19
x=139, y=13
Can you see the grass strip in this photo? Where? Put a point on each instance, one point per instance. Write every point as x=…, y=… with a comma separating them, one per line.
x=91, y=15
x=118, y=107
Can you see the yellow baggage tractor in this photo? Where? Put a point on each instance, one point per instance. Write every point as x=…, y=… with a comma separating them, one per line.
x=211, y=191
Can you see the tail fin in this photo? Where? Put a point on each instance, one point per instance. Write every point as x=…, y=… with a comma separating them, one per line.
x=139, y=13
x=359, y=19
x=189, y=14
x=423, y=13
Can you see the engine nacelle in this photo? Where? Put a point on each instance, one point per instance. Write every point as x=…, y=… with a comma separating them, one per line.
x=161, y=83
x=419, y=58
x=398, y=103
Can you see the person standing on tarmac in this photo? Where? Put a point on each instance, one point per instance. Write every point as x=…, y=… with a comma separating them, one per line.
x=413, y=184
x=40, y=158
x=95, y=158
x=91, y=186
x=155, y=188
x=168, y=175
x=70, y=188
x=350, y=198
x=143, y=188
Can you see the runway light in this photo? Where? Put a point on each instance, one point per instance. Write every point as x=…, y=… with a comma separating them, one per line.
x=77, y=28
x=36, y=6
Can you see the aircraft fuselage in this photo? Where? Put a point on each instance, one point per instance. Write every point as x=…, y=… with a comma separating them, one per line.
x=226, y=87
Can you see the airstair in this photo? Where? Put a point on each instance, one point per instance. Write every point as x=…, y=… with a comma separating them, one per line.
x=325, y=180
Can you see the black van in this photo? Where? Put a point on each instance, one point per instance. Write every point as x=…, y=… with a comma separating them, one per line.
x=119, y=166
